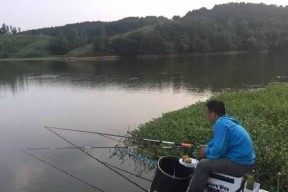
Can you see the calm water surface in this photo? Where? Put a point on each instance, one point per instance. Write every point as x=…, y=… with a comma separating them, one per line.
x=110, y=97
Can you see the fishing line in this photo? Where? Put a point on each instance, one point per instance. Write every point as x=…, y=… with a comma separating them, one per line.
x=141, y=148
x=184, y=145
x=119, y=141
x=112, y=138
x=117, y=148
x=103, y=163
x=137, y=156
x=104, y=147
x=55, y=148
x=122, y=136
x=62, y=170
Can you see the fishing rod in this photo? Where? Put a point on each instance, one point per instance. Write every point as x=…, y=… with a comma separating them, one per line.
x=93, y=157
x=61, y=170
x=187, y=145
x=87, y=147
x=136, y=156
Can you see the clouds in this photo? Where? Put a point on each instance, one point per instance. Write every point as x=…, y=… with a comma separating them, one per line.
x=43, y=13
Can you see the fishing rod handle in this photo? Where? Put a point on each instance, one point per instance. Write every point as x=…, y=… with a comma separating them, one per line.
x=187, y=145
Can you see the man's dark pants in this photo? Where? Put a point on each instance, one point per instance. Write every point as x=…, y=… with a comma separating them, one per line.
x=224, y=166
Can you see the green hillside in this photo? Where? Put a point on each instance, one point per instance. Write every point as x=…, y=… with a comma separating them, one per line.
x=84, y=51
x=224, y=28
x=24, y=46
x=91, y=49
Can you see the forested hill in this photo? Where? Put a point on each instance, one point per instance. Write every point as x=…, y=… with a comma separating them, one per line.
x=97, y=28
x=226, y=27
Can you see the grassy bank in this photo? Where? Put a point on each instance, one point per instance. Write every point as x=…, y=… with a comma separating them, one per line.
x=263, y=112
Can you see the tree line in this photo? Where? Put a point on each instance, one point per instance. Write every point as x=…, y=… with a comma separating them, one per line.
x=226, y=27
x=72, y=36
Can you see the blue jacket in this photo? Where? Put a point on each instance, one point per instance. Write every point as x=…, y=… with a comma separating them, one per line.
x=230, y=141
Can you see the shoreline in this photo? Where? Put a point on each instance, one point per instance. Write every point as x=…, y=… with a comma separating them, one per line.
x=202, y=54
x=63, y=58
x=114, y=57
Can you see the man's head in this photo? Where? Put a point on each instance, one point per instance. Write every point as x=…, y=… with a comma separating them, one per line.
x=214, y=110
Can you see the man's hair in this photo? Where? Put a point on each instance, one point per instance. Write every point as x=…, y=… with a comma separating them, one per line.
x=216, y=106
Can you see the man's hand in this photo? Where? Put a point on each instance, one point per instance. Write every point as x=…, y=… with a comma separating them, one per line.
x=201, y=152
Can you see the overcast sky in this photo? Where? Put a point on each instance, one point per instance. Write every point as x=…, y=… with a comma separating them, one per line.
x=31, y=14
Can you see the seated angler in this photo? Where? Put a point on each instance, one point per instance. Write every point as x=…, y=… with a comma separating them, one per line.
x=230, y=151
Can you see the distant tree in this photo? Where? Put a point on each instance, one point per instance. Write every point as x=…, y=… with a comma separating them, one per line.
x=100, y=44
x=4, y=30
x=7, y=30
x=60, y=45
x=176, y=18
x=283, y=44
x=126, y=47
x=72, y=37
x=13, y=30
x=83, y=38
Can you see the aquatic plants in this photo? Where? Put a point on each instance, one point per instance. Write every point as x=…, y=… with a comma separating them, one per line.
x=263, y=112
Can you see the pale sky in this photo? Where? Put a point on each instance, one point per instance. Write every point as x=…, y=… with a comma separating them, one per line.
x=31, y=14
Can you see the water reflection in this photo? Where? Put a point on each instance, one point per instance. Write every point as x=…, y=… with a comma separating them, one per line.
x=106, y=96
x=190, y=73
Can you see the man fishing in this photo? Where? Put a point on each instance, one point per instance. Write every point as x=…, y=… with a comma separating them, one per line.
x=230, y=151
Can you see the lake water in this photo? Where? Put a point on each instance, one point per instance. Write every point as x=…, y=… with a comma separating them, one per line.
x=109, y=97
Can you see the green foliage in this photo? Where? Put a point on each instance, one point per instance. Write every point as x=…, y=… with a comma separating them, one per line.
x=101, y=43
x=264, y=113
x=94, y=29
x=24, y=46
x=125, y=46
x=67, y=41
x=226, y=27
x=59, y=45
x=85, y=51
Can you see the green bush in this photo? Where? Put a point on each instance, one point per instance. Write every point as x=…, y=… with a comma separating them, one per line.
x=263, y=112
x=24, y=45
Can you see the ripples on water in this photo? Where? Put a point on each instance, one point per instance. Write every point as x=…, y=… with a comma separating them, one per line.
x=108, y=96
